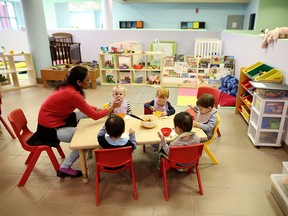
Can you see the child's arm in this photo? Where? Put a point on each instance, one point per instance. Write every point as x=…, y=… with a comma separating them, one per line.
x=170, y=110
x=163, y=143
x=102, y=131
x=150, y=105
x=132, y=138
x=207, y=127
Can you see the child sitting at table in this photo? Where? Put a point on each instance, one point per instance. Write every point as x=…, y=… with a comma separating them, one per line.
x=183, y=123
x=118, y=93
x=161, y=103
x=115, y=127
x=206, y=114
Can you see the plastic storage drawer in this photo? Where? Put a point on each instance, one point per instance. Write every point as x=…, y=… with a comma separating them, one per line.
x=279, y=190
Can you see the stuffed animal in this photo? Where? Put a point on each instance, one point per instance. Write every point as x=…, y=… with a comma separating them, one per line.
x=273, y=35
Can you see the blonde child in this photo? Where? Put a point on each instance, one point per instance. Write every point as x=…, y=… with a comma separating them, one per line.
x=118, y=93
x=206, y=114
x=161, y=103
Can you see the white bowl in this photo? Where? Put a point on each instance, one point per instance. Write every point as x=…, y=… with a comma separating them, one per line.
x=150, y=121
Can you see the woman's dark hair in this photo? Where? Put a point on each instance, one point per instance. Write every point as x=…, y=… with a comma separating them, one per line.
x=184, y=121
x=115, y=126
x=75, y=74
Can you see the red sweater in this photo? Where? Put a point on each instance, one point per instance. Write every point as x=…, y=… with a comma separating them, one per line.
x=62, y=102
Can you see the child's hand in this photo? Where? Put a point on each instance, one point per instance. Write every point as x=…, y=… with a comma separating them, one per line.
x=131, y=131
x=164, y=114
x=196, y=124
x=161, y=136
x=152, y=108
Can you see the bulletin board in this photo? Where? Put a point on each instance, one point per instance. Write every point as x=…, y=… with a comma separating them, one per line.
x=167, y=47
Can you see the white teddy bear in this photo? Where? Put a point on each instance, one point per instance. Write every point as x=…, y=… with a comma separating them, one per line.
x=273, y=35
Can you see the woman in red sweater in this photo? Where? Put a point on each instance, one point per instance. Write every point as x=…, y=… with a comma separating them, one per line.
x=57, y=120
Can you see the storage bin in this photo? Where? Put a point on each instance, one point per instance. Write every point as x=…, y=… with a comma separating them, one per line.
x=245, y=112
x=255, y=69
x=273, y=75
x=279, y=190
x=271, y=93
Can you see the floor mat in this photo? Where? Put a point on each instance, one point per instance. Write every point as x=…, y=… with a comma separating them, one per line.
x=186, y=97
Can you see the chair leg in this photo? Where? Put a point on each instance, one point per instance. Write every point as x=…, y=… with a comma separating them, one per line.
x=199, y=180
x=7, y=127
x=61, y=153
x=97, y=177
x=29, y=168
x=53, y=159
x=29, y=157
x=211, y=156
x=133, y=181
x=144, y=148
x=165, y=181
x=218, y=132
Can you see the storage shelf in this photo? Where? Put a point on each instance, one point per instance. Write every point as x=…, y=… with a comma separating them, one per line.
x=12, y=73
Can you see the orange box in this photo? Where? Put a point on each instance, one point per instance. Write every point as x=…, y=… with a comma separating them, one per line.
x=139, y=24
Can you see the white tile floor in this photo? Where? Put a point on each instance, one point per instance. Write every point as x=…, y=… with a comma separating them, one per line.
x=239, y=185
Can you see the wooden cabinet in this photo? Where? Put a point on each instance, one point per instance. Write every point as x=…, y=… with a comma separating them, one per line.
x=244, y=96
x=267, y=120
x=130, y=68
x=19, y=70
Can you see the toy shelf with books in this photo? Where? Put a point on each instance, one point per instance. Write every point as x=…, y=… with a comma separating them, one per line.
x=267, y=120
x=137, y=68
x=192, y=72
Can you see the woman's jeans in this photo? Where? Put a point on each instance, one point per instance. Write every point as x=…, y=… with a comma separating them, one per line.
x=65, y=134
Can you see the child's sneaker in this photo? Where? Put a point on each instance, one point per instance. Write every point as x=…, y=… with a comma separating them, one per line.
x=155, y=147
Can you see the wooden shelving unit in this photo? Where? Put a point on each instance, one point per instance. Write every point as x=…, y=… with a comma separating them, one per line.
x=244, y=96
x=12, y=72
x=125, y=67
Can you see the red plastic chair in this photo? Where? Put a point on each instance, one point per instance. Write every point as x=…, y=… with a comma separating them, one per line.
x=187, y=156
x=209, y=90
x=146, y=112
x=113, y=158
x=19, y=125
x=3, y=121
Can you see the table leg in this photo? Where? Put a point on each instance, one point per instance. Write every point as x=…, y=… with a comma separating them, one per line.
x=83, y=166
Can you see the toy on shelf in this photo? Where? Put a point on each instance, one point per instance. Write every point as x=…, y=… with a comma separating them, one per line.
x=152, y=79
x=124, y=66
x=109, y=79
x=109, y=64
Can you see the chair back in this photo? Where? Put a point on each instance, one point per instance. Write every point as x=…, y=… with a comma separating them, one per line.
x=214, y=131
x=147, y=111
x=209, y=90
x=188, y=155
x=18, y=122
x=114, y=157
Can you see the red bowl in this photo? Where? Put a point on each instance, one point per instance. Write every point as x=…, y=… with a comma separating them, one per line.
x=166, y=131
x=138, y=66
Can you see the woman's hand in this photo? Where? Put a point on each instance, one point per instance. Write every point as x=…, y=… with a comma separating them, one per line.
x=113, y=106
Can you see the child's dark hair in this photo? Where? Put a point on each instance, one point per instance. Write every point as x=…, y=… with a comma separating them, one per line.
x=75, y=74
x=206, y=101
x=115, y=126
x=184, y=121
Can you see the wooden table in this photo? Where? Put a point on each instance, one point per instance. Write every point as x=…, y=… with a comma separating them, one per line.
x=85, y=136
x=50, y=74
